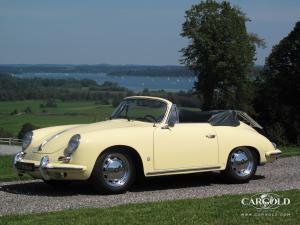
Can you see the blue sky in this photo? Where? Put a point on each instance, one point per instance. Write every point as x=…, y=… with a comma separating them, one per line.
x=119, y=32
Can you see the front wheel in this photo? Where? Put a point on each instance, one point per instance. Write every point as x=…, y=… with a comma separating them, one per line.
x=113, y=173
x=241, y=165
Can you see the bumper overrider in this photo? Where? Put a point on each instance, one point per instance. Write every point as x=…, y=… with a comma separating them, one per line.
x=271, y=156
x=46, y=170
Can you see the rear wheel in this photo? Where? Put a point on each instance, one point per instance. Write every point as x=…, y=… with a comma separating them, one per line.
x=241, y=165
x=114, y=172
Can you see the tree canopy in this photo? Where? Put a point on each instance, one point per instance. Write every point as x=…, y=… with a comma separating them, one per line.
x=221, y=54
x=279, y=90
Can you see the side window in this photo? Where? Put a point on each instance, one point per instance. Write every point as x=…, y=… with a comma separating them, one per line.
x=173, y=117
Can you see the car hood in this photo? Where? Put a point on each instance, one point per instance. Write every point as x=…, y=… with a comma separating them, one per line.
x=58, y=141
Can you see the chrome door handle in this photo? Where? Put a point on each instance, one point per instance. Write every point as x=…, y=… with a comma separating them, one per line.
x=210, y=135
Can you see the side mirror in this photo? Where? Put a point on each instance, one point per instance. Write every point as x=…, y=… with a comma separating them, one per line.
x=171, y=123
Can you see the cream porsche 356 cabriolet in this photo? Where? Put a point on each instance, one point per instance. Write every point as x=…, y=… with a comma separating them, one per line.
x=146, y=136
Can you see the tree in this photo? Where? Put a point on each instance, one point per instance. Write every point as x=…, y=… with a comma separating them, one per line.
x=221, y=54
x=279, y=90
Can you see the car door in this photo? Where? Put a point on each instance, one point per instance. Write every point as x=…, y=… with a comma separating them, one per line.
x=185, y=145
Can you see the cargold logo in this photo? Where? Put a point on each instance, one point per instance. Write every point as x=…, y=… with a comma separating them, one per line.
x=266, y=201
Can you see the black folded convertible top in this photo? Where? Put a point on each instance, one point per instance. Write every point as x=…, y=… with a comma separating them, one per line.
x=217, y=117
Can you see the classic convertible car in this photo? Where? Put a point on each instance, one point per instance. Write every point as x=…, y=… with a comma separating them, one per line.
x=146, y=136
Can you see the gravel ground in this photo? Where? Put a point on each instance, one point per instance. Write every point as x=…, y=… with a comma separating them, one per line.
x=35, y=196
x=9, y=149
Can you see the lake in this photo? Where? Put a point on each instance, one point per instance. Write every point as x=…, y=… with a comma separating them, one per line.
x=135, y=83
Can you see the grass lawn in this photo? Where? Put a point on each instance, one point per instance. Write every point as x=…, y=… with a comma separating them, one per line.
x=289, y=151
x=64, y=113
x=7, y=172
x=226, y=209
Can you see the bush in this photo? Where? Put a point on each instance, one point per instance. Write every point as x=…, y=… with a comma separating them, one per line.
x=15, y=112
x=277, y=134
x=27, y=110
x=26, y=128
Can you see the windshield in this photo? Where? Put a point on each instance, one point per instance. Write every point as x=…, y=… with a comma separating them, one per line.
x=146, y=110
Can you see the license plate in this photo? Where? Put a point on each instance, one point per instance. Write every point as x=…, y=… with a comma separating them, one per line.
x=25, y=166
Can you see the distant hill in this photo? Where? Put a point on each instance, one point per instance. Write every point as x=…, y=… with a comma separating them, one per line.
x=113, y=70
x=13, y=88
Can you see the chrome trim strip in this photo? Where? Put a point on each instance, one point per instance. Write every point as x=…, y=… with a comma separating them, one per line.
x=42, y=145
x=151, y=98
x=64, y=168
x=36, y=167
x=184, y=170
x=275, y=154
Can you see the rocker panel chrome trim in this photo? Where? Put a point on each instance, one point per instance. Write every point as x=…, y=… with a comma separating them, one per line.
x=184, y=170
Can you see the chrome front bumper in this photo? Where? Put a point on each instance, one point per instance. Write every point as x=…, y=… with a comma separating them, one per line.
x=46, y=170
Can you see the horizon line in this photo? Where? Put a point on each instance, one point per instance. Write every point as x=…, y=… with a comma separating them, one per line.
x=87, y=64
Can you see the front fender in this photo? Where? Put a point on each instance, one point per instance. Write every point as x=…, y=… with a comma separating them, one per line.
x=94, y=143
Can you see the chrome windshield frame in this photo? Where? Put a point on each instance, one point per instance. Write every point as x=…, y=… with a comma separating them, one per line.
x=166, y=113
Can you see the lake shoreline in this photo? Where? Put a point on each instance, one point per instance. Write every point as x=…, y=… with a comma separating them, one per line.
x=132, y=82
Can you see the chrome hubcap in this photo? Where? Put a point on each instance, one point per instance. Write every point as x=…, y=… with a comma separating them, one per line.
x=115, y=170
x=242, y=162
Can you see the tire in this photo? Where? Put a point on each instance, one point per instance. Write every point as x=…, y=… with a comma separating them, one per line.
x=241, y=165
x=114, y=172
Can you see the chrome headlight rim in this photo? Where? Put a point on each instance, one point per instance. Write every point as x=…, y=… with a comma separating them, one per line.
x=274, y=145
x=44, y=162
x=72, y=145
x=18, y=157
x=27, y=139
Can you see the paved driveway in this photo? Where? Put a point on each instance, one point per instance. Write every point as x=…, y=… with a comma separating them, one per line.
x=9, y=149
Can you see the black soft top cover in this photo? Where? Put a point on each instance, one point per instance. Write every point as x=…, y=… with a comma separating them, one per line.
x=217, y=118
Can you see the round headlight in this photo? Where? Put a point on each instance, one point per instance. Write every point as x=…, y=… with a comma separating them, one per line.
x=73, y=145
x=27, y=140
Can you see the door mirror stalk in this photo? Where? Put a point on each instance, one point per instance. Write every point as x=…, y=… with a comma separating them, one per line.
x=169, y=125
